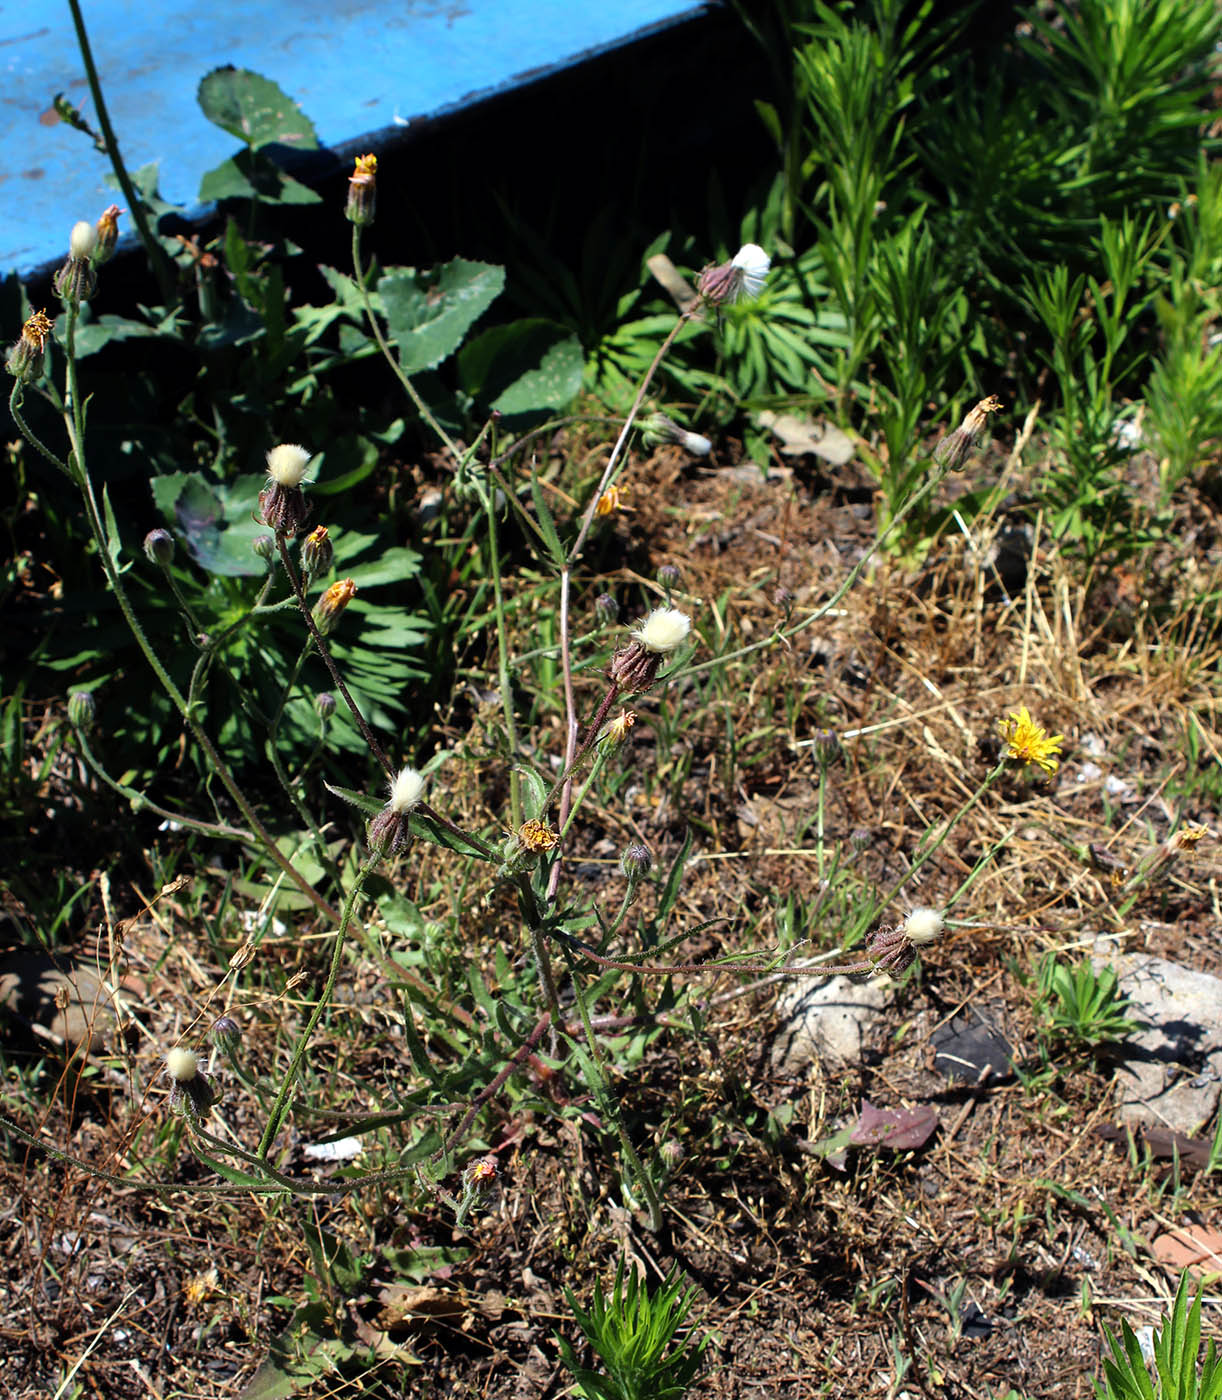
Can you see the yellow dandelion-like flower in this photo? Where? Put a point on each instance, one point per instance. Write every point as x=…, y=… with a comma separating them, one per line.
x=1027, y=743
x=537, y=836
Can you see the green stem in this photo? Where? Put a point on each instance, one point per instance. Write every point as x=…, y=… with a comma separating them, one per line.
x=421, y=407
x=502, y=661
x=215, y=761
x=156, y=254
x=930, y=850
x=142, y=803
x=602, y=1091
x=325, y=652
x=280, y=1106
x=14, y=407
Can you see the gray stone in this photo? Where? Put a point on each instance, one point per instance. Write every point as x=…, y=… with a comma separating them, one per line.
x=1172, y=1071
x=833, y=1020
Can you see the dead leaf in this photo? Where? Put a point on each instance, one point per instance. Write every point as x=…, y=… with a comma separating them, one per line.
x=897, y=1128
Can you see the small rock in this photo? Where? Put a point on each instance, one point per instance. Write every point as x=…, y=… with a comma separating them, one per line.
x=833, y=1020
x=1173, y=1074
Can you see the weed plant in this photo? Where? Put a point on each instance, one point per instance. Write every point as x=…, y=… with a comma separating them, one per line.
x=478, y=736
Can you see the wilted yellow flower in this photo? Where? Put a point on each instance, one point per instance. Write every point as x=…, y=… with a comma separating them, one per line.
x=1027, y=743
x=617, y=730
x=537, y=836
x=196, y=1289
x=1186, y=840
x=612, y=499
x=332, y=603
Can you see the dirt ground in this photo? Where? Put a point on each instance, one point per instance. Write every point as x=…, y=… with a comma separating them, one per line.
x=983, y=1264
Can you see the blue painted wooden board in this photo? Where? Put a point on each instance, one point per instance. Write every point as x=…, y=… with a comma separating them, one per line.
x=356, y=67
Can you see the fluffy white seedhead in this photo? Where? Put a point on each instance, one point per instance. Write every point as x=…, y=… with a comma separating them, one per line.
x=182, y=1063
x=923, y=926
x=406, y=790
x=82, y=241
x=696, y=443
x=753, y=263
x=286, y=464
x=663, y=630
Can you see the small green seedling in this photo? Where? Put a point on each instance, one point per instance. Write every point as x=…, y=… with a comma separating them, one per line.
x=1176, y=1346
x=1082, y=1006
x=631, y=1332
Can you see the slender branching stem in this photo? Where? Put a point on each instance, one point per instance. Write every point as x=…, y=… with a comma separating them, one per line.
x=325, y=652
x=400, y=374
x=280, y=1105
x=162, y=266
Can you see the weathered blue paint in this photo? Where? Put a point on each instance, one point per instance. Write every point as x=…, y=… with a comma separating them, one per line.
x=357, y=67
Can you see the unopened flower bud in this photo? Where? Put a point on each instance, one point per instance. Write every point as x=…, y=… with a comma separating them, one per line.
x=82, y=710
x=332, y=603
x=159, y=547
x=783, y=599
x=363, y=191
x=672, y=1153
x=952, y=451
x=827, y=748
x=225, y=1034
x=861, y=838
x=317, y=552
x=668, y=576
x=25, y=360
x=107, y=234
x=606, y=608
x=264, y=546
x=636, y=862
x=324, y=705
x=282, y=503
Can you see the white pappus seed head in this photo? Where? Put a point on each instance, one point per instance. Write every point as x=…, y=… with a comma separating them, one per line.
x=82, y=240
x=753, y=263
x=406, y=790
x=923, y=926
x=183, y=1064
x=696, y=443
x=663, y=630
x=286, y=464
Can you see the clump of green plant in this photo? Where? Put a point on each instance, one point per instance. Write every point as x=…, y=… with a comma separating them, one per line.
x=1082, y=1007
x=1177, y=1345
x=636, y=1336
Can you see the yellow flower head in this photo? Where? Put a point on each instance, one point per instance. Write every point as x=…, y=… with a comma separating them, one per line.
x=1027, y=743
x=537, y=836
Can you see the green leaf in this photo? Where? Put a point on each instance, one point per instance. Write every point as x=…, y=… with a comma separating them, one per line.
x=429, y=314
x=371, y=806
x=255, y=110
x=547, y=525
x=214, y=520
x=250, y=175
x=524, y=367
x=92, y=336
